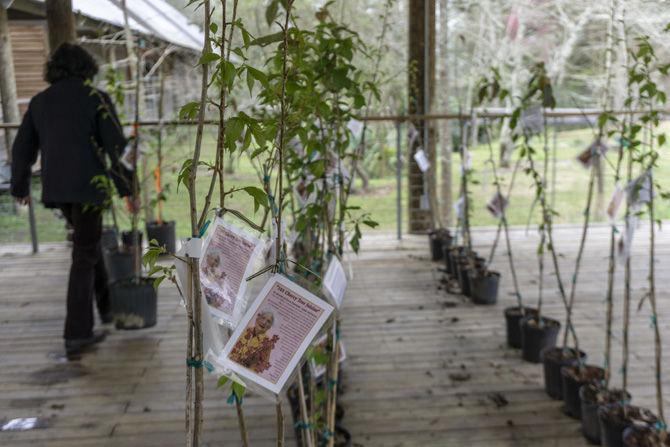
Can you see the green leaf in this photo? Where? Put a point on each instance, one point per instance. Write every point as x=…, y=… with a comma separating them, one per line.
x=234, y=128
x=239, y=390
x=208, y=58
x=271, y=12
x=189, y=111
x=259, y=196
x=258, y=75
x=268, y=39
x=371, y=223
x=222, y=382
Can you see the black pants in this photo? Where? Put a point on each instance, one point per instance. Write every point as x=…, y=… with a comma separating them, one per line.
x=87, y=273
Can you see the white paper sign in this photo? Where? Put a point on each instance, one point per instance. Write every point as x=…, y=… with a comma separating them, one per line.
x=615, y=202
x=422, y=160
x=275, y=333
x=229, y=256
x=335, y=281
x=497, y=205
x=459, y=207
x=356, y=127
x=319, y=348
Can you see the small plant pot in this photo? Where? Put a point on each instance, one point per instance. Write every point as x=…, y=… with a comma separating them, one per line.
x=536, y=336
x=484, y=287
x=615, y=418
x=109, y=240
x=591, y=397
x=438, y=239
x=127, y=240
x=574, y=378
x=453, y=255
x=553, y=359
x=134, y=305
x=163, y=233
x=342, y=436
x=645, y=436
x=464, y=279
x=513, y=317
x=119, y=264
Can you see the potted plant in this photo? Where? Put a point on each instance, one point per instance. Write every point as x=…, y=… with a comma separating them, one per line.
x=538, y=332
x=623, y=423
x=133, y=300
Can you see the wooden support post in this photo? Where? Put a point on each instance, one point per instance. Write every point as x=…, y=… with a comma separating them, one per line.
x=10, y=109
x=60, y=23
x=421, y=91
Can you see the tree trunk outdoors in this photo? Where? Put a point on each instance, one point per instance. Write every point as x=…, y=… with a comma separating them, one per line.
x=60, y=23
x=445, y=135
x=10, y=109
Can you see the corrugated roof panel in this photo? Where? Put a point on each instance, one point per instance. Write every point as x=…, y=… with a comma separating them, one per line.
x=152, y=17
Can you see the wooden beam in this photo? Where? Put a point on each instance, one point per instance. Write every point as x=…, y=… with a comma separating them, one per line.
x=60, y=23
x=421, y=87
x=10, y=108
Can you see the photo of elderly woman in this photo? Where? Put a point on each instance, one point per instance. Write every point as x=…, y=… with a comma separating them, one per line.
x=254, y=347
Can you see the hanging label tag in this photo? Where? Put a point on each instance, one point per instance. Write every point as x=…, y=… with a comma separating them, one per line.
x=335, y=281
x=422, y=160
x=615, y=202
x=193, y=247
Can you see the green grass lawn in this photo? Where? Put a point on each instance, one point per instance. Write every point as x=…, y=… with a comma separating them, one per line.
x=379, y=200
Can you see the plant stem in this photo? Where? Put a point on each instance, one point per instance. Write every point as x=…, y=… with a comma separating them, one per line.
x=304, y=416
x=196, y=319
x=578, y=261
x=244, y=435
x=280, y=147
x=280, y=424
x=503, y=220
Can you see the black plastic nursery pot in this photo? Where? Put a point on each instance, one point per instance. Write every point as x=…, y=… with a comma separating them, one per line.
x=536, y=336
x=615, y=418
x=119, y=264
x=127, y=239
x=453, y=255
x=464, y=277
x=134, y=304
x=438, y=239
x=164, y=233
x=484, y=287
x=513, y=316
x=592, y=396
x=645, y=436
x=342, y=436
x=574, y=377
x=109, y=240
x=553, y=359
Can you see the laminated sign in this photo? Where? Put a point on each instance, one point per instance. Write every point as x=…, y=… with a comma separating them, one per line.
x=276, y=331
x=422, y=160
x=317, y=364
x=335, y=281
x=229, y=256
x=497, y=205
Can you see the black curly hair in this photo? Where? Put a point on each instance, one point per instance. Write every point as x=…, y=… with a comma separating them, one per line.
x=70, y=61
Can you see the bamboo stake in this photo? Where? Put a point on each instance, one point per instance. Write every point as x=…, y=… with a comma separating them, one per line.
x=304, y=415
x=244, y=435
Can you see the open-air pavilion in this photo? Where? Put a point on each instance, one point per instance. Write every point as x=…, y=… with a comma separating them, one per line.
x=413, y=229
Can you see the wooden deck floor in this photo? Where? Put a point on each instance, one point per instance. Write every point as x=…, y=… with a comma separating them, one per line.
x=404, y=337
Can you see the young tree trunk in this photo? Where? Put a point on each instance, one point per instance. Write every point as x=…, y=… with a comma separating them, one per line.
x=10, y=109
x=60, y=23
x=445, y=135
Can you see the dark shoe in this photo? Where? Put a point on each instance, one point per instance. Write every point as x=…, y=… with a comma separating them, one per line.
x=75, y=346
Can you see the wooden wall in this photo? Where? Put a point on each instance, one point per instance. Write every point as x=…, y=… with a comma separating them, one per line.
x=30, y=51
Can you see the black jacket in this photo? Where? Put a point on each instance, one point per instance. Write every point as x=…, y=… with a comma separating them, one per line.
x=73, y=125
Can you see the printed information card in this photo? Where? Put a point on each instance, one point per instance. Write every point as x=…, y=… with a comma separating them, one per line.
x=275, y=333
x=228, y=258
x=335, y=281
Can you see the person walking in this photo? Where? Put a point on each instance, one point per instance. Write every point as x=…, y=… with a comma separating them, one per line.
x=75, y=129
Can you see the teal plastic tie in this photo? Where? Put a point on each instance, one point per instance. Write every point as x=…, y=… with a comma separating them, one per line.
x=327, y=434
x=302, y=425
x=233, y=398
x=208, y=366
x=193, y=363
x=204, y=228
x=332, y=383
